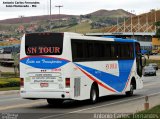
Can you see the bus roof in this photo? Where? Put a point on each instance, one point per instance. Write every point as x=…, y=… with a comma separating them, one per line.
x=120, y=39
x=125, y=40
x=46, y=33
x=75, y=35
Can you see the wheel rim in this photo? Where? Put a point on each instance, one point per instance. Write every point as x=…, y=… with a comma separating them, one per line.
x=94, y=95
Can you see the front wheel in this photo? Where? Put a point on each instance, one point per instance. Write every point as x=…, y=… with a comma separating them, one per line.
x=94, y=95
x=55, y=101
x=130, y=93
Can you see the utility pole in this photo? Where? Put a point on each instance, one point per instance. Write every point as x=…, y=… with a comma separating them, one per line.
x=59, y=6
x=21, y=18
x=50, y=8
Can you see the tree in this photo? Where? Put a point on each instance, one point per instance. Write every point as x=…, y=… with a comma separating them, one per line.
x=158, y=29
x=40, y=29
x=73, y=21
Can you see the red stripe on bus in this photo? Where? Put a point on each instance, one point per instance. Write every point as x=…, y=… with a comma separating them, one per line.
x=97, y=81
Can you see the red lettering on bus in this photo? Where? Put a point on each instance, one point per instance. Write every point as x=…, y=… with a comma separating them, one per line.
x=45, y=49
x=50, y=50
x=56, y=50
x=31, y=50
x=41, y=50
x=111, y=66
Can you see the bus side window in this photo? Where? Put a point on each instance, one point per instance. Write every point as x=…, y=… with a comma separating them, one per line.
x=88, y=46
x=113, y=51
x=99, y=50
x=77, y=50
x=108, y=51
x=125, y=51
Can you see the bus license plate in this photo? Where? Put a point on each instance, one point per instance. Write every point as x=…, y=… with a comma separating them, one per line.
x=44, y=85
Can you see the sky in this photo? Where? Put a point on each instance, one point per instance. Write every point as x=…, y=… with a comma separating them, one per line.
x=75, y=7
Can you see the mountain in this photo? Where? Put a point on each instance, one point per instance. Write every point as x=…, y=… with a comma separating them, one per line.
x=91, y=22
x=34, y=18
x=104, y=18
x=111, y=13
x=99, y=13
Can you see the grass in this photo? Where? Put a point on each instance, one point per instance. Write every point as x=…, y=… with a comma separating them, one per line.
x=153, y=61
x=8, y=74
x=9, y=88
x=153, y=112
x=9, y=82
x=83, y=28
x=155, y=109
x=9, y=79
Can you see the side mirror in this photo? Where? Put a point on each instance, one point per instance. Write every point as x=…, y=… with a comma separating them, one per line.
x=143, y=60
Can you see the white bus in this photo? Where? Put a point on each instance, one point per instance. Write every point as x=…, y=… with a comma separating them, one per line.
x=60, y=66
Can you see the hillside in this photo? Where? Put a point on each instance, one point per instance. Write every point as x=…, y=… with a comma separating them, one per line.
x=103, y=18
x=111, y=13
x=99, y=13
x=139, y=23
x=93, y=22
x=79, y=28
x=34, y=18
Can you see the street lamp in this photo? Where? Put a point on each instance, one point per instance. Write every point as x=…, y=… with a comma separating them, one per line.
x=59, y=6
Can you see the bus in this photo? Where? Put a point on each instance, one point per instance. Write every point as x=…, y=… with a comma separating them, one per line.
x=71, y=66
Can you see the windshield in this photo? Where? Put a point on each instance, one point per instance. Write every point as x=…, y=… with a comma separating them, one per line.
x=44, y=44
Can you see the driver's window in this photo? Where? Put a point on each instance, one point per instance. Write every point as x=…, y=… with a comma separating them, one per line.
x=138, y=59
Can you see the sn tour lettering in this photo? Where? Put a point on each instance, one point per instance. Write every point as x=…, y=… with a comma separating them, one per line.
x=43, y=50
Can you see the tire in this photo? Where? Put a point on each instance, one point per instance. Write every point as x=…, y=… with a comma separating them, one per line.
x=130, y=93
x=94, y=95
x=54, y=101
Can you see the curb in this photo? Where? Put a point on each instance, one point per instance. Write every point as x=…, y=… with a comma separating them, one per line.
x=9, y=92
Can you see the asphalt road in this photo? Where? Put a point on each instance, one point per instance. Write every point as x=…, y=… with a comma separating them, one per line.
x=109, y=106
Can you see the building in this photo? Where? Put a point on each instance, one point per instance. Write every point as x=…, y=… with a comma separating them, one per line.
x=156, y=44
